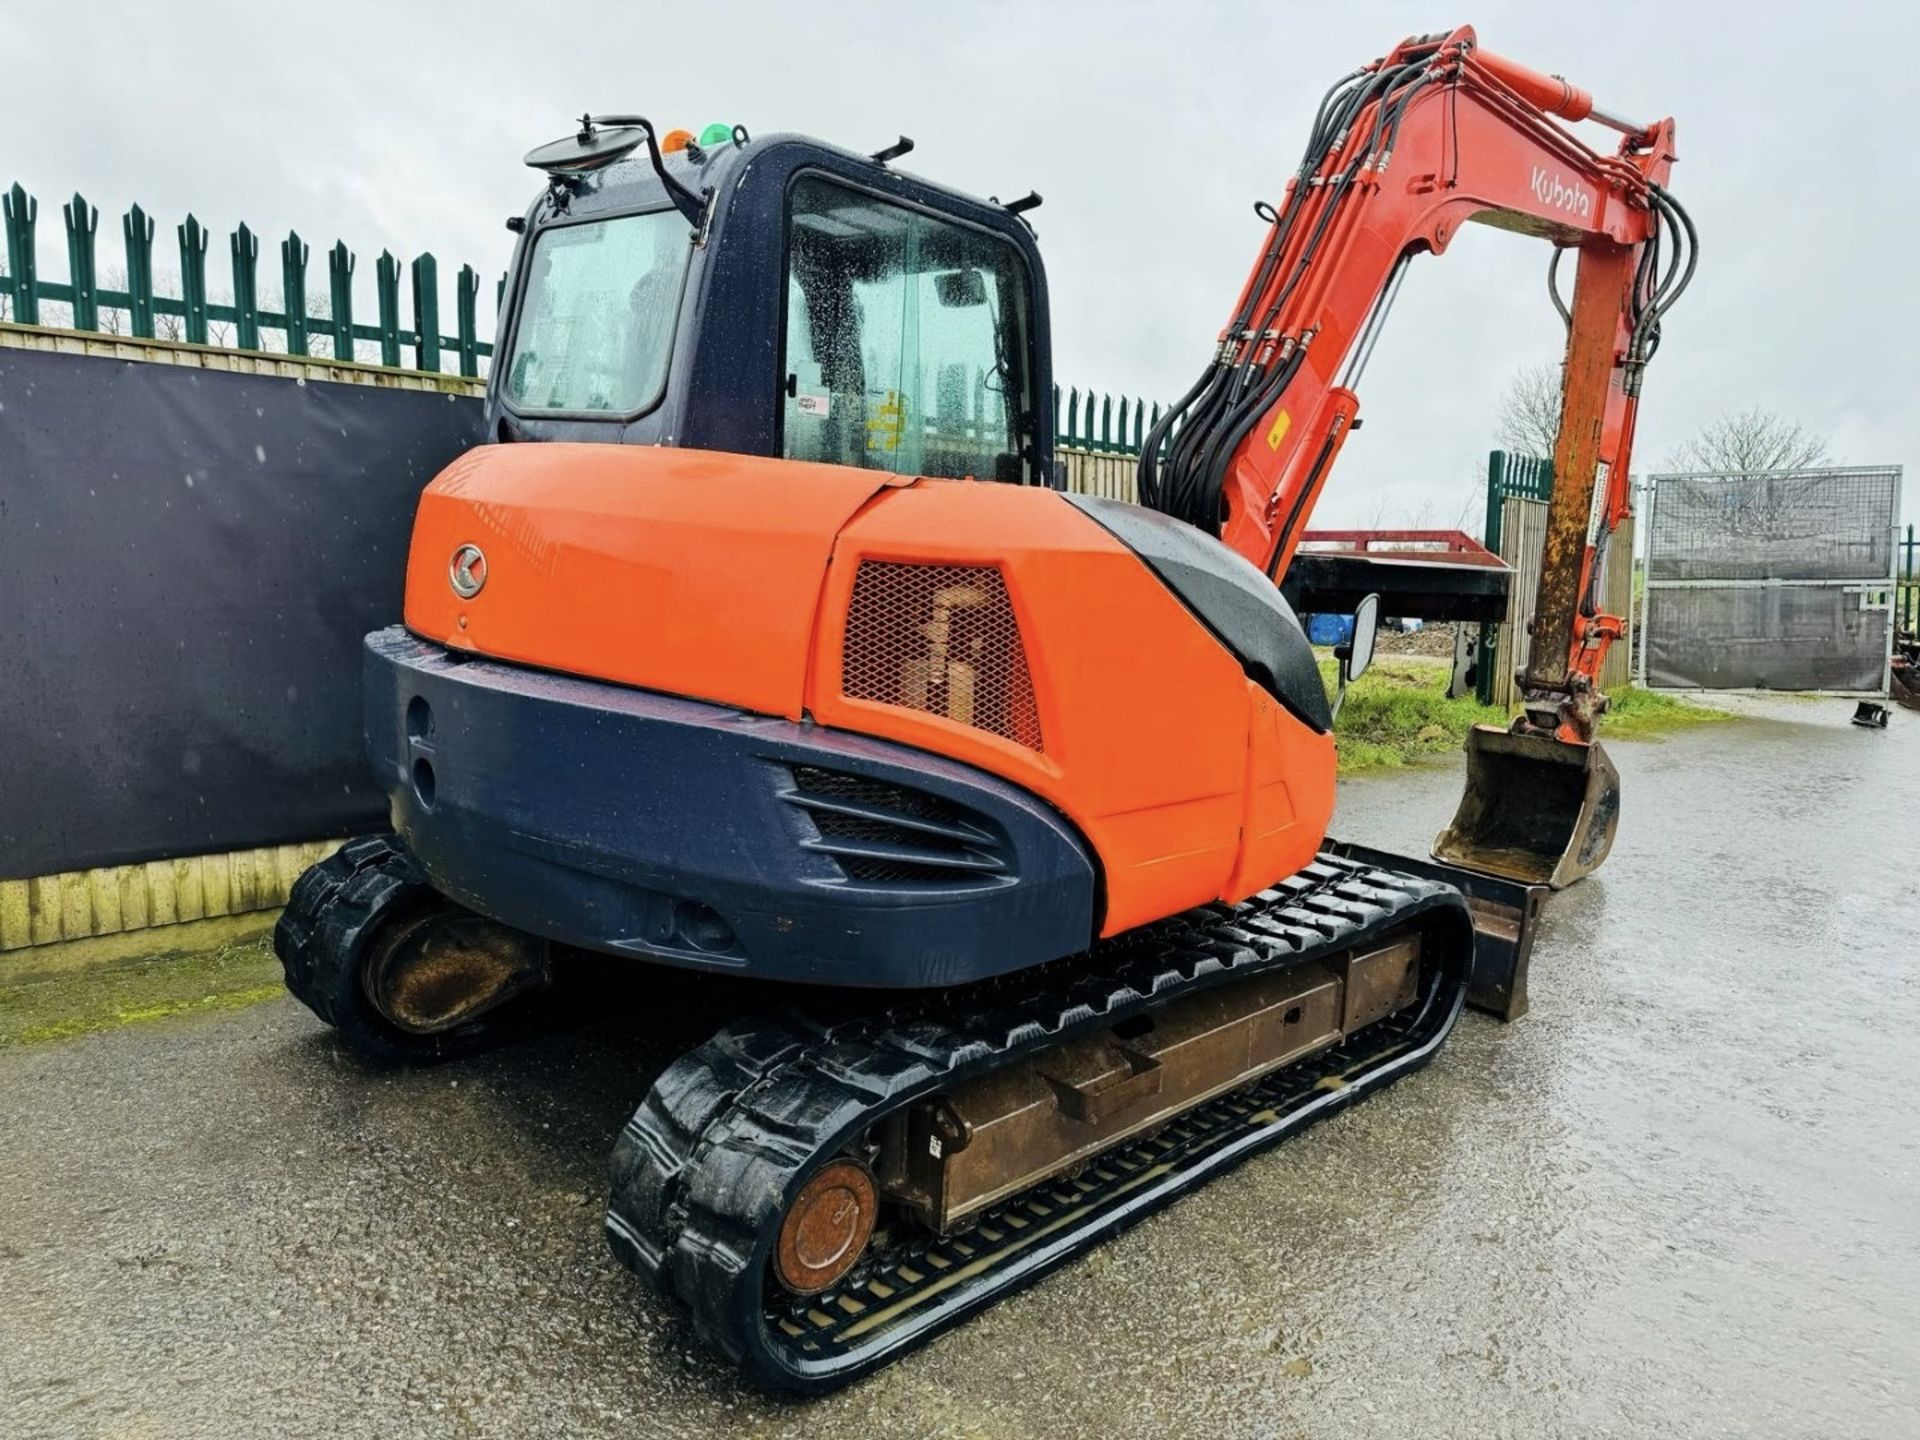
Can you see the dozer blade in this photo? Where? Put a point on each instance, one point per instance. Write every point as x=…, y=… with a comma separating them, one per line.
x=1505, y=913
x=1536, y=809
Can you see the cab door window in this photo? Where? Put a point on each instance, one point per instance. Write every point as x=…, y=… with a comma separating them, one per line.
x=906, y=340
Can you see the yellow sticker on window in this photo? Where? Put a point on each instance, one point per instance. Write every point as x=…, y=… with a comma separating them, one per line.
x=1282, y=423
x=889, y=420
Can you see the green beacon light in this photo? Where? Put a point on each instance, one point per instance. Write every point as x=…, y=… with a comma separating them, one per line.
x=715, y=134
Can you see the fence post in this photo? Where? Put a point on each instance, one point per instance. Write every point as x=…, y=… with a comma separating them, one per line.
x=466, y=302
x=21, y=210
x=1106, y=422
x=1910, y=595
x=1490, y=629
x=340, y=297
x=426, y=313
x=245, y=247
x=136, y=228
x=193, y=279
x=83, y=222
x=293, y=291
x=386, y=283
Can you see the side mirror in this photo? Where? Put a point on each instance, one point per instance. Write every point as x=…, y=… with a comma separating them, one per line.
x=958, y=289
x=1366, y=625
x=1355, y=654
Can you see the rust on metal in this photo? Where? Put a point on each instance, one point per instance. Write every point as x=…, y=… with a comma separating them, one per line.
x=1904, y=682
x=1601, y=279
x=951, y=1157
x=1536, y=809
x=827, y=1227
x=1380, y=983
x=443, y=967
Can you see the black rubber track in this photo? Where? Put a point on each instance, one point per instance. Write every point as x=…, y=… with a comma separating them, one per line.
x=332, y=914
x=708, y=1164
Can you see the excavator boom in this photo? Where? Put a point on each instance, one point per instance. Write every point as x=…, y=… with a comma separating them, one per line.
x=1403, y=152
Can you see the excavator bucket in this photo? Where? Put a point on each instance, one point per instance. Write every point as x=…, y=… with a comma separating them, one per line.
x=1536, y=809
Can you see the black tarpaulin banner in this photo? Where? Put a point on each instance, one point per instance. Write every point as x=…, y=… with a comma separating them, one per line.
x=188, y=562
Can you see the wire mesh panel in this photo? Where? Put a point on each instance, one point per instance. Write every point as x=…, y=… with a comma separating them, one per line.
x=1781, y=580
x=1766, y=637
x=1778, y=525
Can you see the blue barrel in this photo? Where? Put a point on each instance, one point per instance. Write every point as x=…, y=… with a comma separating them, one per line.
x=1329, y=629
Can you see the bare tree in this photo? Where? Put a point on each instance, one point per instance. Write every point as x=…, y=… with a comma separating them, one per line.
x=319, y=326
x=1530, y=412
x=1746, y=441
x=111, y=319
x=166, y=286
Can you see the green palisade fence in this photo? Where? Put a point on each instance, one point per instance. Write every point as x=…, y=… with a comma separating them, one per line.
x=1089, y=421
x=1084, y=420
x=1509, y=477
x=191, y=315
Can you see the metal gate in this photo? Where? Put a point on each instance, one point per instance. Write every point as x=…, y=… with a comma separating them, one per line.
x=1781, y=580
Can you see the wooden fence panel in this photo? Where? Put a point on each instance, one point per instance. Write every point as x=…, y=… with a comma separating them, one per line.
x=119, y=898
x=1091, y=472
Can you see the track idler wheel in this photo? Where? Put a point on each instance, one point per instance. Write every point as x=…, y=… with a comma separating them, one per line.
x=404, y=975
x=827, y=1227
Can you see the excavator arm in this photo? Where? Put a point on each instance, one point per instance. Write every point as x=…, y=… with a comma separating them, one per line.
x=1403, y=152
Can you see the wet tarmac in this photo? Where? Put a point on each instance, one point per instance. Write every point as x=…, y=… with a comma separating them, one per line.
x=1682, y=1197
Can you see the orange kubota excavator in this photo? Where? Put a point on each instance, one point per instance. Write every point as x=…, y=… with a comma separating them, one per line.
x=762, y=641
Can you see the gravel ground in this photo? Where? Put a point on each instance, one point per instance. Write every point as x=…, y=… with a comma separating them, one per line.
x=1682, y=1197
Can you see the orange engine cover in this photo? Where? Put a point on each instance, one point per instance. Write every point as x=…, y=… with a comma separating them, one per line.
x=993, y=624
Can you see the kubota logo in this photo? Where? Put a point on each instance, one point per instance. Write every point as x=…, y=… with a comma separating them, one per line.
x=467, y=572
x=1570, y=196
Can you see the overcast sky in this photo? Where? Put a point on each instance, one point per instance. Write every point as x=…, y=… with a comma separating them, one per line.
x=1150, y=130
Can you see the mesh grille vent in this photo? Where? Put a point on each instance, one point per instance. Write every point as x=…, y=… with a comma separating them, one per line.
x=940, y=639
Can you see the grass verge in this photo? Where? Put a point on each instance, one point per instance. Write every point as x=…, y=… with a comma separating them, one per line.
x=1398, y=714
x=156, y=987
x=1635, y=713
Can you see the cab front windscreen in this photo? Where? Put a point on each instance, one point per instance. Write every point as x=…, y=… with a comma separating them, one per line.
x=597, y=315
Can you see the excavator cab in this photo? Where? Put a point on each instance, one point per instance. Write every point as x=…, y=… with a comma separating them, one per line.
x=773, y=296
